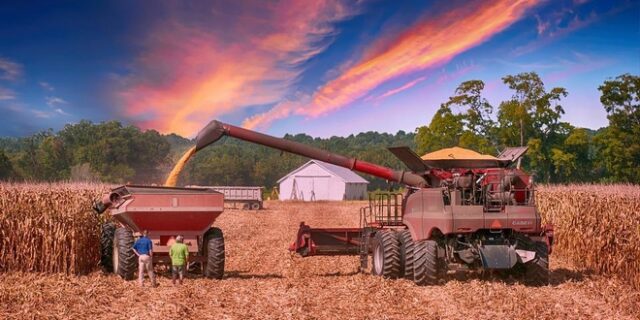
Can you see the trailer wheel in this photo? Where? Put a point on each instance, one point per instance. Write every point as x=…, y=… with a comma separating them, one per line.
x=255, y=206
x=406, y=253
x=537, y=270
x=245, y=206
x=425, y=267
x=106, y=246
x=215, y=254
x=386, y=255
x=124, y=260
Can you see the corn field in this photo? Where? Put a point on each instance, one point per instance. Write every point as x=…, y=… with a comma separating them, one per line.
x=597, y=227
x=51, y=227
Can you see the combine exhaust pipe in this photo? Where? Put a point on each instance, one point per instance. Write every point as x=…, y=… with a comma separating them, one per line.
x=216, y=130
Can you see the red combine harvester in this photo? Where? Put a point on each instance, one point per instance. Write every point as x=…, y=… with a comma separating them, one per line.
x=456, y=214
x=164, y=212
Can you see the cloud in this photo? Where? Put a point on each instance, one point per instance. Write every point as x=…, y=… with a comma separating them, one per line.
x=55, y=101
x=191, y=70
x=7, y=94
x=431, y=42
x=10, y=70
x=46, y=86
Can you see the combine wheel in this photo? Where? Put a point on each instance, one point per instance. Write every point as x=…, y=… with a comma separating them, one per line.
x=425, y=266
x=124, y=260
x=214, y=268
x=106, y=246
x=537, y=270
x=386, y=254
x=406, y=253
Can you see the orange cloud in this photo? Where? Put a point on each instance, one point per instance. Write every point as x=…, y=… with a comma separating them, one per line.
x=190, y=70
x=428, y=43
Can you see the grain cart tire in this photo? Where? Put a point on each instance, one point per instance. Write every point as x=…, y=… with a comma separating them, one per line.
x=425, y=263
x=386, y=254
x=214, y=268
x=125, y=261
x=255, y=206
x=106, y=246
x=406, y=254
x=537, y=270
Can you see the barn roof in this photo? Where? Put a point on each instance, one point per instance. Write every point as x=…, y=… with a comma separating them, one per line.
x=345, y=174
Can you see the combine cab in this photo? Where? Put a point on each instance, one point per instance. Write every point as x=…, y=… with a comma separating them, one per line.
x=164, y=212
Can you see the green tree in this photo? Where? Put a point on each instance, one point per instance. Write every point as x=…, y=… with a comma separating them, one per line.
x=619, y=144
x=6, y=168
x=444, y=131
x=532, y=117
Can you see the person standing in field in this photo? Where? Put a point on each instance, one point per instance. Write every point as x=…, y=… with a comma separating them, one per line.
x=143, y=248
x=179, y=259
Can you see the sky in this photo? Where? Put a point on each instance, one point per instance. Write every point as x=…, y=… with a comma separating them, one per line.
x=325, y=67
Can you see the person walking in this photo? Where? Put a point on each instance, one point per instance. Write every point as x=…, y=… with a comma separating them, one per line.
x=179, y=259
x=143, y=248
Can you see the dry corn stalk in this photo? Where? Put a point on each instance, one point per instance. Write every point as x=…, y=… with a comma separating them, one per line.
x=597, y=227
x=49, y=227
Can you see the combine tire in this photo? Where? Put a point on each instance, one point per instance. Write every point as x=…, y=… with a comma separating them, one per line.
x=106, y=246
x=425, y=266
x=386, y=255
x=124, y=260
x=537, y=270
x=215, y=254
x=406, y=254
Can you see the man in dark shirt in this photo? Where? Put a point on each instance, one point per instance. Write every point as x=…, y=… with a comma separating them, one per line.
x=143, y=248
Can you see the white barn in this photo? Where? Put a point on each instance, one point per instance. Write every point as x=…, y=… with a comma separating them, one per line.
x=317, y=180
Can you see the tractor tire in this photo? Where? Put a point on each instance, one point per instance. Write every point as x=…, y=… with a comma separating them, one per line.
x=125, y=261
x=386, y=255
x=537, y=270
x=425, y=264
x=106, y=246
x=255, y=206
x=406, y=254
x=214, y=268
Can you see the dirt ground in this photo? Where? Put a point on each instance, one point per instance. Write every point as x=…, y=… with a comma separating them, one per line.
x=263, y=280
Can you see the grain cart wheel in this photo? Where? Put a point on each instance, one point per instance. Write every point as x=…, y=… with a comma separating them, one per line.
x=386, y=254
x=255, y=206
x=425, y=263
x=106, y=246
x=214, y=268
x=537, y=270
x=406, y=253
x=125, y=261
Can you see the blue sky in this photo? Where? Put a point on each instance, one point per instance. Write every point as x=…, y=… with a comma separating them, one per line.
x=324, y=68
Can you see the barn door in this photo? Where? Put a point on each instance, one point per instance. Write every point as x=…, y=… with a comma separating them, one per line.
x=312, y=188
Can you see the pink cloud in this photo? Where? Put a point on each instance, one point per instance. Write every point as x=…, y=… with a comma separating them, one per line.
x=429, y=43
x=190, y=72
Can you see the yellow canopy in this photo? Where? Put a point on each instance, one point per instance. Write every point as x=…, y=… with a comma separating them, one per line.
x=457, y=153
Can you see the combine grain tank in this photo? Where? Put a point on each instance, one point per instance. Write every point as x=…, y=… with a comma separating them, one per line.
x=458, y=213
x=164, y=212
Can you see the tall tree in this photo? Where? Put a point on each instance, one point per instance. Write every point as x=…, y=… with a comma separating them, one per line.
x=532, y=117
x=619, y=144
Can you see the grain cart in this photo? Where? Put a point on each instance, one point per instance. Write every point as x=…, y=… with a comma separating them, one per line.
x=164, y=212
x=456, y=214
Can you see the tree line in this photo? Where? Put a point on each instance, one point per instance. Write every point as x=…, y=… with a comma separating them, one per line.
x=558, y=151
